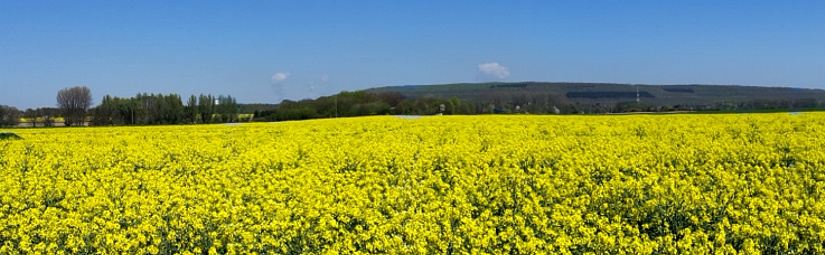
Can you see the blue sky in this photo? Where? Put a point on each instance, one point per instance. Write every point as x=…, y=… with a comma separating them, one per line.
x=266, y=51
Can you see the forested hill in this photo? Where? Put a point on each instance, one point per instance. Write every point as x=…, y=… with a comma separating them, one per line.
x=610, y=97
x=545, y=98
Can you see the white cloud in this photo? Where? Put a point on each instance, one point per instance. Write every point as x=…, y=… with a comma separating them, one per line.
x=278, y=85
x=493, y=70
x=279, y=77
x=325, y=78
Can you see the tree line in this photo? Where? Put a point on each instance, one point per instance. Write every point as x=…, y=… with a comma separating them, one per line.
x=74, y=108
x=73, y=103
x=159, y=109
x=361, y=103
x=9, y=116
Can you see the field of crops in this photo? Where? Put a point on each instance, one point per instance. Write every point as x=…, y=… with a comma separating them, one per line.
x=654, y=184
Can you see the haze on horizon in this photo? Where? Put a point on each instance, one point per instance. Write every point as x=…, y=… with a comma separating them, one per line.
x=263, y=52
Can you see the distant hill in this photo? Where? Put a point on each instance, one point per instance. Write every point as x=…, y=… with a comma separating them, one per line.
x=544, y=98
x=610, y=95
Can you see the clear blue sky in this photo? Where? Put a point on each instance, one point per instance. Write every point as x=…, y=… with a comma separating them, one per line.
x=265, y=51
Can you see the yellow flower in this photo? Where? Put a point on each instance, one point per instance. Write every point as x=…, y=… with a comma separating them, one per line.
x=468, y=184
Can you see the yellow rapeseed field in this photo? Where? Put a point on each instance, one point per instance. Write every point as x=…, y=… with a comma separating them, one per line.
x=654, y=184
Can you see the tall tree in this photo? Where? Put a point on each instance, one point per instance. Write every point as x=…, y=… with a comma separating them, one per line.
x=227, y=108
x=192, y=110
x=102, y=114
x=31, y=116
x=9, y=116
x=206, y=107
x=173, y=111
x=74, y=102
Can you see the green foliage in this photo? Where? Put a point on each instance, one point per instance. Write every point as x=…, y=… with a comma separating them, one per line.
x=362, y=103
x=545, y=98
x=9, y=136
x=152, y=109
x=9, y=116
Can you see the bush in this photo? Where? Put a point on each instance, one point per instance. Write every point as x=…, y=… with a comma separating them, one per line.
x=9, y=135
